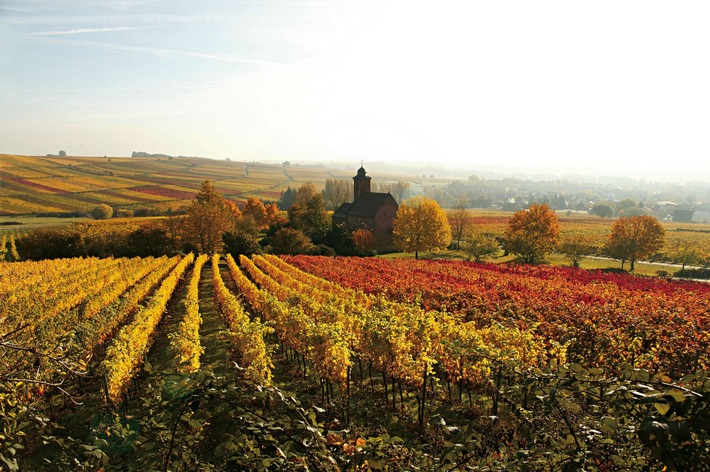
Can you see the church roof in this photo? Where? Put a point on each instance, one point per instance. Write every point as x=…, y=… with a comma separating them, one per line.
x=342, y=211
x=367, y=204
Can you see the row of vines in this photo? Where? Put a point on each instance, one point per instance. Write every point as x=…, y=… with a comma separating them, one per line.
x=395, y=364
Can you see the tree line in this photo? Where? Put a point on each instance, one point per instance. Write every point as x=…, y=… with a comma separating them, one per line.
x=213, y=223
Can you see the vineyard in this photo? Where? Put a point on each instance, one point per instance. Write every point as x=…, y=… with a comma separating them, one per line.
x=67, y=185
x=317, y=363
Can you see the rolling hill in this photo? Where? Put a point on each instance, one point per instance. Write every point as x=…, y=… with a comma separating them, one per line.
x=31, y=185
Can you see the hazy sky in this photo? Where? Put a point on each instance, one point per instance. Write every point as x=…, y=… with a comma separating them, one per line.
x=603, y=86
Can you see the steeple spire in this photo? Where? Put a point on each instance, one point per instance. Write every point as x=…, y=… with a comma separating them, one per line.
x=361, y=183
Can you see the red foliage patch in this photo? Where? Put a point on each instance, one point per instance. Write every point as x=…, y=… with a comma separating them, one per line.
x=165, y=192
x=36, y=186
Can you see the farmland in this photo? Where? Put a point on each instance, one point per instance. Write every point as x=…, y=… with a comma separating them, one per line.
x=61, y=185
x=188, y=363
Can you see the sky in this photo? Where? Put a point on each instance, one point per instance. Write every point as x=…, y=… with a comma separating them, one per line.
x=605, y=87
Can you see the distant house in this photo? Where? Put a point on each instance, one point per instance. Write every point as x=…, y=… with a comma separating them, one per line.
x=373, y=211
x=682, y=216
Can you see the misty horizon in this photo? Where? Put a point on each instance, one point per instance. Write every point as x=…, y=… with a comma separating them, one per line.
x=549, y=88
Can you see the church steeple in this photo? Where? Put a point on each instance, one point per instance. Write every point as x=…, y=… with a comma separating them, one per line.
x=361, y=183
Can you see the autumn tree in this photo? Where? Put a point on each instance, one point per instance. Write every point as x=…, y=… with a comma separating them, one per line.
x=421, y=225
x=175, y=227
x=291, y=241
x=685, y=252
x=273, y=214
x=308, y=213
x=478, y=246
x=575, y=248
x=102, y=212
x=633, y=238
x=337, y=192
x=234, y=211
x=287, y=198
x=243, y=237
x=364, y=241
x=208, y=218
x=256, y=209
x=150, y=240
x=460, y=222
x=603, y=209
x=533, y=233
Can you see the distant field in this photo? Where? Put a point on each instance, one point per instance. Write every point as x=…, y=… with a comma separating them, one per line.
x=33, y=222
x=41, y=185
x=595, y=231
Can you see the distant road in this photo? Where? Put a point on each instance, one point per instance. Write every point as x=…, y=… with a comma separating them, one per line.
x=664, y=264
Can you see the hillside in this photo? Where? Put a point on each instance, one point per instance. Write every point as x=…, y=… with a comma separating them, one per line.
x=63, y=185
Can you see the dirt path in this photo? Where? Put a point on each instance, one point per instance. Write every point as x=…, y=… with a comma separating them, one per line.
x=217, y=355
x=170, y=405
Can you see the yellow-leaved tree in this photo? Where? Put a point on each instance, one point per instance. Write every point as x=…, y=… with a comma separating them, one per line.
x=256, y=209
x=210, y=215
x=533, y=233
x=634, y=238
x=421, y=225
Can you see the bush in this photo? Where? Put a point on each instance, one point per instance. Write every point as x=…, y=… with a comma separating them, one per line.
x=693, y=273
x=102, y=212
x=613, y=270
x=240, y=242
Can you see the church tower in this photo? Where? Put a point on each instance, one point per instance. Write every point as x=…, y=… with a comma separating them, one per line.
x=361, y=183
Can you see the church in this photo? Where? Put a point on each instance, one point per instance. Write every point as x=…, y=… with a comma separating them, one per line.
x=373, y=211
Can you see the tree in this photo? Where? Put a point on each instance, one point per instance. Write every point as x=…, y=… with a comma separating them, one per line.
x=150, y=240
x=341, y=240
x=291, y=241
x=240, y=242
x=364, y=241
x=273, y=214
x=208, y=218
x=460, y=222
x=175, y=227
x=479, y=246
x=421, y=225
x=235, y=212
x=288, y=198
x=685, y=252
x=603, y=209
x=102, y=212
x=398, y=189
x=532, y=233
x=634, y=211
x=308, y=213
x=337, y=192
x=575, y=248
x=256, y=209
x=633, y=238
x=51, y=243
